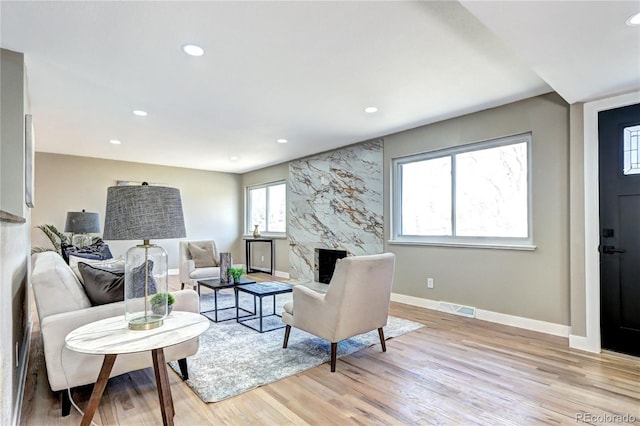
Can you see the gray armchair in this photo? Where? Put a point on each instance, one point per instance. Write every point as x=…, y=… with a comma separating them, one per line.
x=356, y=302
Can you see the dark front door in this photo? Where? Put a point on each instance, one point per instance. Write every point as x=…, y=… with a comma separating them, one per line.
x=619, y=157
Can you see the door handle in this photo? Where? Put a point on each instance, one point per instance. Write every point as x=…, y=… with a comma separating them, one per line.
x=611, y=250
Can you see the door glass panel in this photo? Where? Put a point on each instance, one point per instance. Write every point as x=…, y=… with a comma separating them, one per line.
x=631, y=156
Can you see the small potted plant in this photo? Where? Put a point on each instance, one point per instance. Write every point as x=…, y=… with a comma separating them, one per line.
x=235, y=273
x=159, y=299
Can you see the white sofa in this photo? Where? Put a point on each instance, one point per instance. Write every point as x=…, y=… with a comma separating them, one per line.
x=63, y=306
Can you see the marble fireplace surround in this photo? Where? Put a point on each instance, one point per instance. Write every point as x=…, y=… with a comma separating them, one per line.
x=334, y=201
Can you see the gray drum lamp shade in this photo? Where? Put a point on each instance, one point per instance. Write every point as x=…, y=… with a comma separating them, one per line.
x=82, y=222
x=143, y=212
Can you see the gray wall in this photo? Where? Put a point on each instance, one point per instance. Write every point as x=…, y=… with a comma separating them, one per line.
x=211, y=201
x=12, y=131
x=531, y=284
x=15, y=319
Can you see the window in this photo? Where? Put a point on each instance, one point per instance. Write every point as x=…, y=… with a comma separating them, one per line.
x=267, y=208
x=631, y=150
x=476, y=194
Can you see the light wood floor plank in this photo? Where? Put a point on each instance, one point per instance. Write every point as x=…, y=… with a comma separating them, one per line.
x=453, y=371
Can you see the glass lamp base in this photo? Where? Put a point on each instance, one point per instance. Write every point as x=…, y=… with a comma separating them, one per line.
x=81, y=240
x=147, y=322
x=146, y=286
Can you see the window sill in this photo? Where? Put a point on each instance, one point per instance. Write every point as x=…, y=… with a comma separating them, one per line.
x=521, y=247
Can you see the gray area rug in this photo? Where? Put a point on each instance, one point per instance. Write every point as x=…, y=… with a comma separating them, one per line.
x=234, y=359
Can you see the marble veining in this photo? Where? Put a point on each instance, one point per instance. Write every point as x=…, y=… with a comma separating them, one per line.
x=335, y=202
x=112, y=335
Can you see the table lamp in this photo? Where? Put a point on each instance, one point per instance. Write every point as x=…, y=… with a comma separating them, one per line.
x=80, y=224
x=144, y=212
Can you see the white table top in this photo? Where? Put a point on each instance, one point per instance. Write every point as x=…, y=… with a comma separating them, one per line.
x=112, y=335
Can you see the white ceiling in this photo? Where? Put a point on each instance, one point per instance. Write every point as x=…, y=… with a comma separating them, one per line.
x=303, y=71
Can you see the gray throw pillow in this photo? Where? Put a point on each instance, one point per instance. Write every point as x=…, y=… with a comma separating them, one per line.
x=102, y=285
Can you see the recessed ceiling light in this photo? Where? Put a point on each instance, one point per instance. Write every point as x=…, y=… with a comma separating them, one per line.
x=634, y=20
x=371, y=110
x=115, y=142
x=139, y=113
x=193, y=50
x=234, y=158
x=282, y=140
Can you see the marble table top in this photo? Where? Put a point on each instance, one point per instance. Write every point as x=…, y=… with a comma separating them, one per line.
x=112, y=335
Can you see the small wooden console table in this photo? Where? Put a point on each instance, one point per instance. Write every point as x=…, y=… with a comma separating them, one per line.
x=111, y=336
x=248, y=243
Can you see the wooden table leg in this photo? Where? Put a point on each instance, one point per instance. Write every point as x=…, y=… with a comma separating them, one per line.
x=98, y=389
x=162, y=383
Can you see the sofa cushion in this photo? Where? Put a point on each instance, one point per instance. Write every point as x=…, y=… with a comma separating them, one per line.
x=203, y=257
x=116, y=263
x=205, y=273
x=56, y=287
x=102, y=286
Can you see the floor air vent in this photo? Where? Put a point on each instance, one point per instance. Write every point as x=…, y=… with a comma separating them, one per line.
x=451, y=308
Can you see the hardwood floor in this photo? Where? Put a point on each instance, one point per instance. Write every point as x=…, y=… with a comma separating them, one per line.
x=454, y=371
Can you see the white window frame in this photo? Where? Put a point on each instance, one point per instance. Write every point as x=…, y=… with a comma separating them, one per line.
x=248, y=226
x=459, y=241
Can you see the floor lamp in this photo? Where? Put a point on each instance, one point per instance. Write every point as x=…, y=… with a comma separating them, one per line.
x=144, y=212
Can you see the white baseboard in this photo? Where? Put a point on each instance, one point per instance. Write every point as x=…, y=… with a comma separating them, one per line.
x=497, y=317
x=583, y=344
x=281, y=274
x=414, y=301
x=522, y=322
x=173, y=271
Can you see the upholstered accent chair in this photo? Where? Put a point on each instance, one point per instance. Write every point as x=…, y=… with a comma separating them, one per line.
x=202, y=264
x=356, y=302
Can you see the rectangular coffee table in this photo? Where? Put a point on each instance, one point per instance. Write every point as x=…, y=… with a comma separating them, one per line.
x=216, y=286
x=260, y=290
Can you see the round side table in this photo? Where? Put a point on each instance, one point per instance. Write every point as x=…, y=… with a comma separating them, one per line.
x=111, y=336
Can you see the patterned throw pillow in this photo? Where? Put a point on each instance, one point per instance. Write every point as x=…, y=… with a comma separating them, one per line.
x=138, y=276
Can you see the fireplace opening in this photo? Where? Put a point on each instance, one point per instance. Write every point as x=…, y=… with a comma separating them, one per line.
x=327, y=263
